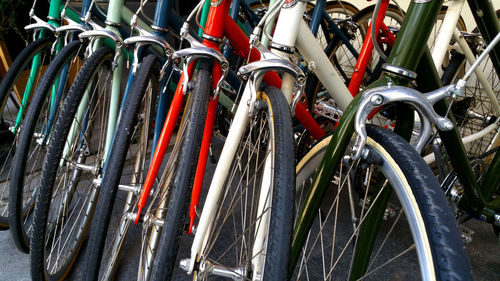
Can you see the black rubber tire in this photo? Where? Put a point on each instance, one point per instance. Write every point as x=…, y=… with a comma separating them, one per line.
x=180, y=192
x=7, y=83
x=273, y=114
x=101, y=57
x=148, y=70
x=446, y=245
x=18, y=213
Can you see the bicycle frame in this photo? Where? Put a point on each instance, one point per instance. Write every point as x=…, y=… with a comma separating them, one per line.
x=406, y=56
x=447, y=31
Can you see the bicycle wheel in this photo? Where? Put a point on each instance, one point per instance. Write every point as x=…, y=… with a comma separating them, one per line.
x=34, y=137
x=68, y=191
x=382, y=217
x=339, y=12
x=128, y=162
x=19, y=82
x=171, y=202
x=437, y=27
x=249, y=237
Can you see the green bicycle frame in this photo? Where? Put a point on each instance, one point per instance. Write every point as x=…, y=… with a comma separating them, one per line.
x=410, y=52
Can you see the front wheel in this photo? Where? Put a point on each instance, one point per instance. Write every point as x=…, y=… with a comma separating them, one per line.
x=69, y=189
x=250, y=236
x=383, y=217
x=126, y=167
x=34, y=137
x=177, y=180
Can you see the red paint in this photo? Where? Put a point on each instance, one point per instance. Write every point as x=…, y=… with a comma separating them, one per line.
x=215, y=20
x=239, y=40
x=308, y=122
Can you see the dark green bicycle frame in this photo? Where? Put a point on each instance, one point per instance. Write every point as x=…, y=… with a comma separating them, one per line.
x=410, y=52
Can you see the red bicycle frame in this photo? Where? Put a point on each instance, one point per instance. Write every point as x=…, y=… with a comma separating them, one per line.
x=219, y=24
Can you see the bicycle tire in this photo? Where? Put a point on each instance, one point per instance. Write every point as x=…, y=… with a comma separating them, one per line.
x=55, y=204
x=36, y=116
x=98, y=262
x=410, y=178
x=9, y=107
x=180, y=191
x=269, y=133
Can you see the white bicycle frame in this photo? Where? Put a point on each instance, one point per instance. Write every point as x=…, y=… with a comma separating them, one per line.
x=289, y=25
x=447, y=31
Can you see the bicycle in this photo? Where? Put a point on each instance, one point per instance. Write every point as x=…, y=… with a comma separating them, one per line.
x=154, y=219
x=149, y=224
x=44, y=106
x=476, y=112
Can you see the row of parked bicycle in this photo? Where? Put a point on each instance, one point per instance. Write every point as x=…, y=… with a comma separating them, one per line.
x=342, y=151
